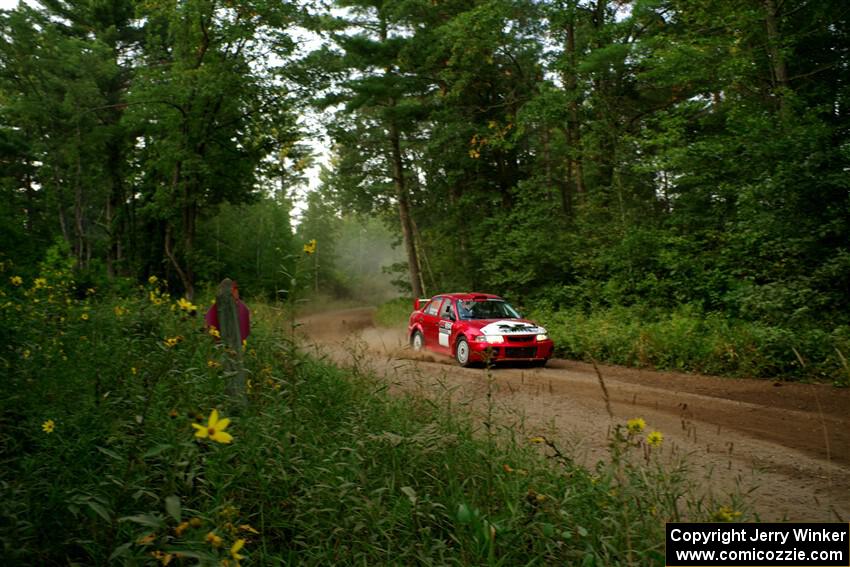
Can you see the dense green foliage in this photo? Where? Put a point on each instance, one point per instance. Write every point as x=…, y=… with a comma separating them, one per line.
x=102, y=463
x=654, y=157
x=649, y=157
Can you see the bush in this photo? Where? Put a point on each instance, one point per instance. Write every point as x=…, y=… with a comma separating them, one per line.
x=690, y=340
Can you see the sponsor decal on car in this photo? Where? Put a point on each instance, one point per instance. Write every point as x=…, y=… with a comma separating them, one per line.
x=511, y=328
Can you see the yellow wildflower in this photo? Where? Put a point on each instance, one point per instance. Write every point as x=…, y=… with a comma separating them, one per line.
x=196, y=522
x=248, y=528
x=120, y=311
x=164, y=558
x=173, y=341
x=310, y=247
x=214, y=429
x=182, y=527
x=636, y=425
x=26, y=353
x=214, y=332
x=40, y=283
x=186, y=305
x=48, y=426
x=152, y=280
x=146, y=539
x=16, y=280
x=134, y=370
x=234, y=550
x=213, y=364
x=654, y=439
x=726, y=514
x=538, y=440
x=84, y=316
x=213, y=540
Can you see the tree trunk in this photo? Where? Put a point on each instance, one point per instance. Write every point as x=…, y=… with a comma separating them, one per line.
x=575, y=177
x=777, y=60
x=404, y=212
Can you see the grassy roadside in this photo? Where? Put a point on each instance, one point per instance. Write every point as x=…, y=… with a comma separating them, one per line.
x=103, y=463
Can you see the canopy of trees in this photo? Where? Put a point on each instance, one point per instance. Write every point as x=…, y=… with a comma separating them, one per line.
x=570, y=152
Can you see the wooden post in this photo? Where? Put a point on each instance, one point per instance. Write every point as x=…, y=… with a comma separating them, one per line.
x=228, y=320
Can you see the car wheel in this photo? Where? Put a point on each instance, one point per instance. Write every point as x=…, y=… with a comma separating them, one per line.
x=462, y=352
x=417, y=341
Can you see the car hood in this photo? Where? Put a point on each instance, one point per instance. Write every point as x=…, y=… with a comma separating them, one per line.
x=504, y=326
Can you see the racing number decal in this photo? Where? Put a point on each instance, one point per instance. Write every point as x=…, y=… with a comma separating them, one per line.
x=445, y=333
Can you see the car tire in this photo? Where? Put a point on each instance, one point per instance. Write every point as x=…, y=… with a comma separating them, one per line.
x=462, y=352
x=417, y=341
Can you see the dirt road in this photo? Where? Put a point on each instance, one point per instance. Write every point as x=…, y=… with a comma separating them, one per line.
x=785, y=445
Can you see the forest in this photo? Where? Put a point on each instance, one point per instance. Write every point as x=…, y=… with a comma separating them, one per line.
x=645, y=176
x=660, y=183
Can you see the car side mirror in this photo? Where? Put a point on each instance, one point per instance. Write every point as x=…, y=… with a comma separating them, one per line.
x=452, y=317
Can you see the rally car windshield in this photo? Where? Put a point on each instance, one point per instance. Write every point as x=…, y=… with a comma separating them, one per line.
x=485, y=310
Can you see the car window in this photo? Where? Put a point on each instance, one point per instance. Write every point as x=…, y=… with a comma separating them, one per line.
x=487, y=309
x=446, y=311
x=432, y=307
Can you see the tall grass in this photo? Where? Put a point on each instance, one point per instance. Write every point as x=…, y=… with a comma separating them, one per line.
x=692, y=341
x=324, y=467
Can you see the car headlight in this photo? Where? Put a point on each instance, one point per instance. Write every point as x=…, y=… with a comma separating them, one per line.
x=492, y=339
x=542, y=337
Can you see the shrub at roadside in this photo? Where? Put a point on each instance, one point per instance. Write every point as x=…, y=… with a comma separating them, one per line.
x=692, y=341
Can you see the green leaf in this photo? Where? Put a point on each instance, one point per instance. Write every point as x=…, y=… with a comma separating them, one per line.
x=144, y=520
x=100, y=510
x=172, y=506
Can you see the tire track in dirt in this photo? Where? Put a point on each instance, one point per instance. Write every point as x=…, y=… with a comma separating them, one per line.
x=785, y=445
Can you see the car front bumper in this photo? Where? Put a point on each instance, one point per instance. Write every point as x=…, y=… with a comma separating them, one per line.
x=509, y=351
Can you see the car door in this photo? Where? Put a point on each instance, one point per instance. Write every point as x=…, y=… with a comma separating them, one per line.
x=430, y=318
x=445, y=326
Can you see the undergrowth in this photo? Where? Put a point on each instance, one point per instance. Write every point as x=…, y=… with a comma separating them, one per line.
x=112, y=455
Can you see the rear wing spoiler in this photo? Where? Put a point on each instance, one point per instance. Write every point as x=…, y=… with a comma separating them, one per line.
x=419, y=302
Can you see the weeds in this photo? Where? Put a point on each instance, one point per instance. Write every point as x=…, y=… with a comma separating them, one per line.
x=116, y=449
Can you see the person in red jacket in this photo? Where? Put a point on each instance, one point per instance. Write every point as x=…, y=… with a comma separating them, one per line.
x=242, y=312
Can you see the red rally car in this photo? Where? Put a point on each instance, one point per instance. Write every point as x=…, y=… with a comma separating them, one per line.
x=476, y=327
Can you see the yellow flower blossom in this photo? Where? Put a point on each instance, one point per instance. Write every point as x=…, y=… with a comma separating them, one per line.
x=635, y=425
x=654, y=439
x=214, y=332
x=173, y=341
x=196, y=522
x=134, y=370
x=214, y=429
x=726, y=514
x=310, y=247
x=26, y=353
x=152, y=280
x=16, y=280
x=234, y=550
x=146, y=539
x=213, y=540
x=186, y=305
x=164, y=558
x=120, y=311
x=48, y=426
x=182, y=527
x=84, y=316
x=213, y=364
x=40, y=283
